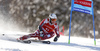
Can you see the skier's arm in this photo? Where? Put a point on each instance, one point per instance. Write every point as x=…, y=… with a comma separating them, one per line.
x=57, y=33
x=40, y=28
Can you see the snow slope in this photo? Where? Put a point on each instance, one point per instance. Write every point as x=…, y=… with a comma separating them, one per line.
x=77, y=44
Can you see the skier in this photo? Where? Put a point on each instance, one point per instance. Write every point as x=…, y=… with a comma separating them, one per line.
x=47, y=29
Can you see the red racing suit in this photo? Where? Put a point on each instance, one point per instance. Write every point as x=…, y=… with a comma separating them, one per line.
x=49, y=30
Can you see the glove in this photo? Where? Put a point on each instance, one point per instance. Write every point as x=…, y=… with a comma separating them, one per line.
x=56, y=38
x=41, y=34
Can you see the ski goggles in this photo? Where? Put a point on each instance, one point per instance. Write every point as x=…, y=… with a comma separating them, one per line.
x=53, y=19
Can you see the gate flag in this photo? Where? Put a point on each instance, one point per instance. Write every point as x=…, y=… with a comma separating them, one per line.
x=84, y=6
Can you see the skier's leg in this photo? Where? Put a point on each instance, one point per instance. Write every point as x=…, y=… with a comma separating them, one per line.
x=35, y=34
x=48, y=36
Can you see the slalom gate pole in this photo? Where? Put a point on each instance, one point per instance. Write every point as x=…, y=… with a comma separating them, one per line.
x=93, y=24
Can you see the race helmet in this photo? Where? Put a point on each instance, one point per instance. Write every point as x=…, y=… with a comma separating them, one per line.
x=53, y=17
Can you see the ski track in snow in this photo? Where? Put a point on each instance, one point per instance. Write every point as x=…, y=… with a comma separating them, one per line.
x=77, y=44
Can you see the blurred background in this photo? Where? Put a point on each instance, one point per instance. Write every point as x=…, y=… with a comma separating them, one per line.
x=25, y=16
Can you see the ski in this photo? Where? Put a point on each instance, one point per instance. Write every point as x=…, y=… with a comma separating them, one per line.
x=46, y=42
x=30, y=41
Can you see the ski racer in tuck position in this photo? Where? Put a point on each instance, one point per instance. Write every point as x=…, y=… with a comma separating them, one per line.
x=47, y=29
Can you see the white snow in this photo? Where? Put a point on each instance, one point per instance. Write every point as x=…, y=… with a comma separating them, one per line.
x=77, y=44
